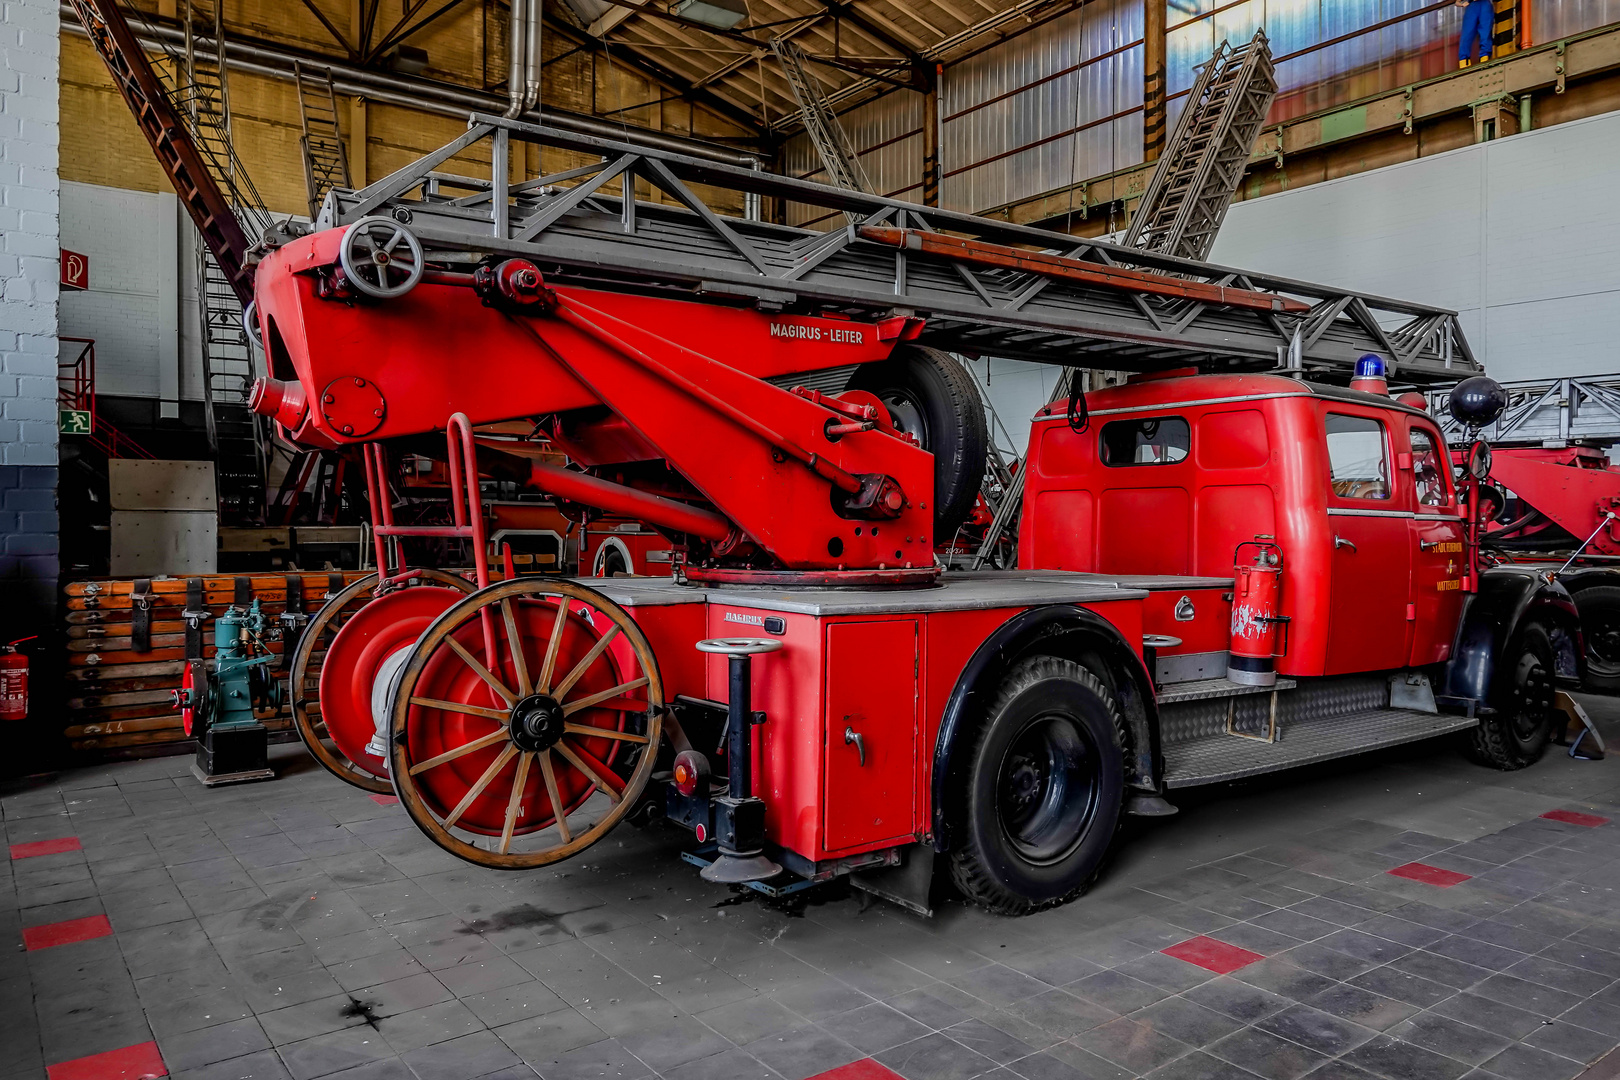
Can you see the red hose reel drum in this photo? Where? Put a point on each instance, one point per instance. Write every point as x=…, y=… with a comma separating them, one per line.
x=390, y=623
x=1256, y=613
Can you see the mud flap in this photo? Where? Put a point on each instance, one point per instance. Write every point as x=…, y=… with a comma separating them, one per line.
x=910, y=884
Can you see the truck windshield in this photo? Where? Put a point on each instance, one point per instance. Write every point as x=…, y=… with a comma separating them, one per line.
x=1356, y=457
x=1162, y=440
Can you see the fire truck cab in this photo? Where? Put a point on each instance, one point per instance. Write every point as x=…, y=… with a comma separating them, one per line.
x=1380, y=615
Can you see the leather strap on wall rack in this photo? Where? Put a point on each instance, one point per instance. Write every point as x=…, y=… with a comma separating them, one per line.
x=140, y=616
x=195, y=614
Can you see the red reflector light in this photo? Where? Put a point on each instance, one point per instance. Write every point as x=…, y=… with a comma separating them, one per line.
x=691, y=773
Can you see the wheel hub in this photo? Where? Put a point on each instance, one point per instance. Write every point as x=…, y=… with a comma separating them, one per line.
x=537, y=722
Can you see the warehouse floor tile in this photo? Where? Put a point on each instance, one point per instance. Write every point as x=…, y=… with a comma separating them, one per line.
x=1402, y=915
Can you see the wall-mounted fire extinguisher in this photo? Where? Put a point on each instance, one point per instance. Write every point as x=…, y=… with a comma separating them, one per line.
x=13, y=681
x=1256, y=613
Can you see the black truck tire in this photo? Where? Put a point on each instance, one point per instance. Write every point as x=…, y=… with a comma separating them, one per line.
x=1037, y=800
x=929, y=395
x=1517, y=732
x=1600, y=631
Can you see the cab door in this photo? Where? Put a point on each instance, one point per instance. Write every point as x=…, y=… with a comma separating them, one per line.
x=1437, y=544
x=1369, y=523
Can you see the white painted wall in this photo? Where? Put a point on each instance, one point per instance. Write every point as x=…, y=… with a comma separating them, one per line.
x=141, y=307
x=1518, y=235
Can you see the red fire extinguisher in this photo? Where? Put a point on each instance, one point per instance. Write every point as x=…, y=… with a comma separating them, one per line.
x=13, y=681
x=1256, y=603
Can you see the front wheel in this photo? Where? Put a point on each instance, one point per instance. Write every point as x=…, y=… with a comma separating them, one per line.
x=1600, y=630
x=1038, y=800
x=1517, y=731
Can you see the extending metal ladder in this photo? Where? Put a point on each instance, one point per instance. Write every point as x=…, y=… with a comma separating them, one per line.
x=1188, y=194
x=1186, y=198
x=326, y=164
x=821, y=123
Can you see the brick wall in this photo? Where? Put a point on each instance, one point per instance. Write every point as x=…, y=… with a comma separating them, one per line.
x=29, y=188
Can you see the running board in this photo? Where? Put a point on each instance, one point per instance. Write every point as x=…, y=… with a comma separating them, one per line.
x=1214, y=758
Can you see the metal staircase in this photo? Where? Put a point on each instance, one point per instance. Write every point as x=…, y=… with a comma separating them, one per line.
x=1188, y=194
x=199, y=88
x=326, y=165
x=821, y=123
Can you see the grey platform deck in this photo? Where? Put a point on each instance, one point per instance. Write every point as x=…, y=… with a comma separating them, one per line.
x=977, y=591
x=1212, y=759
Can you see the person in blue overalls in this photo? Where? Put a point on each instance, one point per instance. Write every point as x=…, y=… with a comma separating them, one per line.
x=1479, y=18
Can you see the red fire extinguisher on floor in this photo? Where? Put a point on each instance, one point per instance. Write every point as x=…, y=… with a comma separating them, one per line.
x=1256, y=603
x=13, y=681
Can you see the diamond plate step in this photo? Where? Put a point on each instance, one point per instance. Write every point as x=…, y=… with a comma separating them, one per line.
x=1205, y=689
x=1212, y=759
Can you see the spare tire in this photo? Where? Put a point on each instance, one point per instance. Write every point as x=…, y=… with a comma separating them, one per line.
x=930, y=395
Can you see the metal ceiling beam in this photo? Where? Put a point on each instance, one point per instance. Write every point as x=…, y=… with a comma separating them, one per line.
x=659, y=73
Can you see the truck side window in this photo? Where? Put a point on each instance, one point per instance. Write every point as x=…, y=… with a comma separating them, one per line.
x=1356, y=457
x=1161, y=440
x=1428, y=470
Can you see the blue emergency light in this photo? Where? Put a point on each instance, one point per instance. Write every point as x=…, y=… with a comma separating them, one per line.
x=1370, y=366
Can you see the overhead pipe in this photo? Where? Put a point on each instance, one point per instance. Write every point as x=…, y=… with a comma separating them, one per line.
x=424, y=95
x=531, y=58
x=517, y=70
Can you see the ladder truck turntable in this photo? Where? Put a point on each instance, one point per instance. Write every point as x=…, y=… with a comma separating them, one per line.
x=1230, y=565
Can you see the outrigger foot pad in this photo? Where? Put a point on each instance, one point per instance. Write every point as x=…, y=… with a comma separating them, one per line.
x=1141, y=805
x=739, y=869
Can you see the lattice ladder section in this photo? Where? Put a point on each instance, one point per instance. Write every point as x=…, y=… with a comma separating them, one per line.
x=1189, y=193
x=326, y=165
x=821, y=123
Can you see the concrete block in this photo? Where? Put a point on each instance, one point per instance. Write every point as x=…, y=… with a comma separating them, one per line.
x=40, y=18
x=19, y=453
x=39, y=522
x=21, y=363
x=9, y=477
x=43, y=245
x=44, y=134
x=31, y=498
x=32, y=544
x=28, y=318
x=8, y=522
x=29, y=409
x=37, y=479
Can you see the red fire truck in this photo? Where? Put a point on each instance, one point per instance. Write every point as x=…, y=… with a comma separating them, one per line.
x=1220, y=574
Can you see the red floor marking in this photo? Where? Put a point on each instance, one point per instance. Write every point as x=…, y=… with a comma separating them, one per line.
x=139, y=1062
x=864, y=1069
x=1430, y=875
x=45, y=847
x=384, y=800
x=1216, y=956
x=1572, y=817
x=66, y=933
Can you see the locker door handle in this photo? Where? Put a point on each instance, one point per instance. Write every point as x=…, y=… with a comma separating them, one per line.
x=1339, y=542
x=853, y=736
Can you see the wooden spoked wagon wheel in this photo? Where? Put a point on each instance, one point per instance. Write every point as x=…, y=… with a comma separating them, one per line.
x=303, y=681
x=532, y=757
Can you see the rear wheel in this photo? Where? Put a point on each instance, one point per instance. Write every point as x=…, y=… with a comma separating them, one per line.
x=1516, y=733
x=1038, y=799
x=525, y=723
x=1600, y=630
x=930, y=396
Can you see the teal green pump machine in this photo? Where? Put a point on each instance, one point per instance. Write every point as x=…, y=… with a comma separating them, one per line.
x=218, y=707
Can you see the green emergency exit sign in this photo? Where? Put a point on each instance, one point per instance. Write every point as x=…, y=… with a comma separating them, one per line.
x=74, y=421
